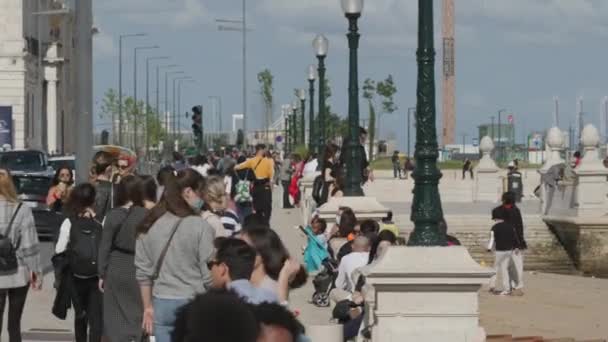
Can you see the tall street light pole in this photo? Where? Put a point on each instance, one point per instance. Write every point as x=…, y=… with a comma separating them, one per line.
x=321, y=45
x=147, y=109
x=120, y=130
x=136, y=108
x=426, y=206
x=312, y=75
x=218, y=100
x=296, y=125
x=302, y=98
x=500, y=135
x=410, y=110
x=158, y=69
x=179, y=106
x=492, y=129
x=167, y=127
x=352, y=10
x=174, y=114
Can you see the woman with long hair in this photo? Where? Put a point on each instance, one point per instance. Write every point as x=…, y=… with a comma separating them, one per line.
x=214, y=194
x=274, y=269
x=60, y=189
x=149, y=191
x=164, y=176
x=122, y=307
x=330, y=163
x=22, y=269
x=173, y=247
x=78, y=236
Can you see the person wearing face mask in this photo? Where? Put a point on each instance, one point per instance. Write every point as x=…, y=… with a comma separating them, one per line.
x=174, y=244
x=58, y=193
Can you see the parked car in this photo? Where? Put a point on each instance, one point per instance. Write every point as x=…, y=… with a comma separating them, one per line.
x=26, y=162
x=58, y=161
x=32, y=189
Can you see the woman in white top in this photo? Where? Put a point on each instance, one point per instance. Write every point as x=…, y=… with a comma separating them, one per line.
x=214, y=194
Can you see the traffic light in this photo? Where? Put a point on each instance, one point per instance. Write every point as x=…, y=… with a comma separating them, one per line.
x=197, y=125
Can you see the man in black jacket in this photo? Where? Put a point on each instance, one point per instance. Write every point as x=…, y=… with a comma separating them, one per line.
x=366, y=172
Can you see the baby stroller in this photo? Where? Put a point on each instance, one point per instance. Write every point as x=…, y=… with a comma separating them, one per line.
x=324, y=283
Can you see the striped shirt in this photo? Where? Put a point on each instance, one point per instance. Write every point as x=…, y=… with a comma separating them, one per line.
x=230, y=220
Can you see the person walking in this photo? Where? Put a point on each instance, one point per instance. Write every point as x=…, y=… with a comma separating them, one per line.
x=104, y=188
x=20, y=266
x=285, y=175
x=263, y=168
x=467, y=167
x=396, y=165
x=79, y=237
x=173, y=247
x=330, y=169
x=503, y=239
x=514, y=218
x=408, y=167
x=122, y=307
x=214, y=195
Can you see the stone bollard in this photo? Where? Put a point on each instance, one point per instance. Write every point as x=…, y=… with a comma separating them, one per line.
x=555, y=145
x=487, y=181
x=427, y=294
x=591, y=189
x=365, y=208
x=307, y=204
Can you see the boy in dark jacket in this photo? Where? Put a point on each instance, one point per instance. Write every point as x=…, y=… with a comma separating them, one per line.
x=503, y=239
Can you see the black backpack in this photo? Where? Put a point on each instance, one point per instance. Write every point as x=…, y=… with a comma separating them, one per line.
x=8, y=252
x=85, y=236
x=317, y=189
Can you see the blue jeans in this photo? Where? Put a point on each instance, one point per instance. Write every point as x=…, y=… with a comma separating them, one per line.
x=164, y=317
x=243, y=211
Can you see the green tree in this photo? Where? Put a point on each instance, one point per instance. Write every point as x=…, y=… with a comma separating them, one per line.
x=386, y=90
x=369, y=92
x=265, y=79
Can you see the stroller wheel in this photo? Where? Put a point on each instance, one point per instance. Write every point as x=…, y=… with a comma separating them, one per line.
x=320, y=299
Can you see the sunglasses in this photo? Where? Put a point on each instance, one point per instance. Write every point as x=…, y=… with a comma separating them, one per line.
x=212, y=263
x=123, y=167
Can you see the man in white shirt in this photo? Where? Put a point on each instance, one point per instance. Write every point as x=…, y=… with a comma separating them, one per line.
x=311, y=167
x=359, y=257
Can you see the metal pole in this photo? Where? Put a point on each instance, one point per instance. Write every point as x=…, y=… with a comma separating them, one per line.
x=146, y=110
x=409, y=115
x=492, y=128
x=303, y=120
x=173, y=117
x=311, y=116
x=500, y=145
x=119, y=96
x=353, y=158
x=426, y=206
x=136, y=110
x=321, y=113
x=244, y=73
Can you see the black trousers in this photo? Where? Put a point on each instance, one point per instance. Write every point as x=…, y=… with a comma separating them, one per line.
x=16, y=303
x=262, y=201
x=286, y=203
x=90, y=322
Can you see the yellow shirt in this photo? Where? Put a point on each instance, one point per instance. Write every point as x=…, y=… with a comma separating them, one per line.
x=263, y=169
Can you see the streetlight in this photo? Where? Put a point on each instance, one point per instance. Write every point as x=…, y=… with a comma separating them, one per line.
x=174, y=104
x=410, y=110
x=219, y=110
x=294, y=108
x=135, y=123
x=312, y=75
x=179, y=105
x=321, y=46
x=121, y=37
x=426, y=206
x=148, y=98
x=158, y=68
x=499, y=149
x=167, y=74
x=302, y=97
x=352, y=10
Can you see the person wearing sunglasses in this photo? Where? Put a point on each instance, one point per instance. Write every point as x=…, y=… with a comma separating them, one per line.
x=231, y=269
x=125, y=167
x=59, y=191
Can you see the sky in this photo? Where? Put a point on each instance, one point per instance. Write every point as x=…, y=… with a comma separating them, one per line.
x=515, y=55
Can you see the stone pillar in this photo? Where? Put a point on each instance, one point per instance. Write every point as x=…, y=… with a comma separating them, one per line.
x=427, y=294
x=307, y=202
x=554, y=145
x=365, y=208
x=51, y=108
x=592, y=188
x=488, y=185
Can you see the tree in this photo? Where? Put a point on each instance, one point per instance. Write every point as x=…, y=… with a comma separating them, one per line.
x=369, y=92
x=386, y=90
x=265, y=79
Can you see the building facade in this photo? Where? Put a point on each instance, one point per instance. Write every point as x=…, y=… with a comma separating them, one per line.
x=36, y=77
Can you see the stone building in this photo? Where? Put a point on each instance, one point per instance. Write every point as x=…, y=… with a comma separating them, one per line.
x=36, y=74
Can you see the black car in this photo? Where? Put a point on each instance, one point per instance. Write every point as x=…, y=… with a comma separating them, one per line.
x=26, y=162
x=32, y=190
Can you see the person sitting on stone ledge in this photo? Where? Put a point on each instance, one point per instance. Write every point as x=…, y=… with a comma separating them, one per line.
x=345, y=286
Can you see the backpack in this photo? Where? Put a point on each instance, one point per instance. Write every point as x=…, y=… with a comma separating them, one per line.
x=8, y=252
x=242, y=190
x=317, y=189
x=85, y=236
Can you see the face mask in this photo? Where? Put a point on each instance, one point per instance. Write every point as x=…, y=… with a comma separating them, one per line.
x=198, y=204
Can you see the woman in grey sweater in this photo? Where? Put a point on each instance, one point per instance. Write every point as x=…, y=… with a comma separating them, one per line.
x=122, y=307
x=14, y=283
x=173, y=247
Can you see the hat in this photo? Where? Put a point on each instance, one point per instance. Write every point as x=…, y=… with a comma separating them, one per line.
x=511, y=164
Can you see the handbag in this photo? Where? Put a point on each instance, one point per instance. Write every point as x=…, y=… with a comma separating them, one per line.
x=8, y=252
x=163, y=253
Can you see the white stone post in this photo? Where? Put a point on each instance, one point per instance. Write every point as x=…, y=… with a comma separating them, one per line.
x=591, y=189
x=51, y=108
x=488, y=185
x=554, y=143
x=427, y=294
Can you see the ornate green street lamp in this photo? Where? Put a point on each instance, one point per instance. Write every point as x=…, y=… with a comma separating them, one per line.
x=321, y=45
x=352, y=10
x=312, y=75
x=287, y=135
x=426, y=210
x=294, y=118
x=302, y=98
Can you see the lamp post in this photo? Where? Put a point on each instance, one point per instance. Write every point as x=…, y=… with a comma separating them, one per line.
x=219, y=111
x=158, y=68
x=321, y=45
x=147, y=109
x=492, y=129
x=121, y=37
x=296, y=124
x=302, y=97
x=409, y=115
x=136, y=114
x=167, y=74
x=179, y=105
x=426, y=206
x=352, y=10
x=286, y=130
x=174, y=104
x=499, y=149
x=312, y=75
